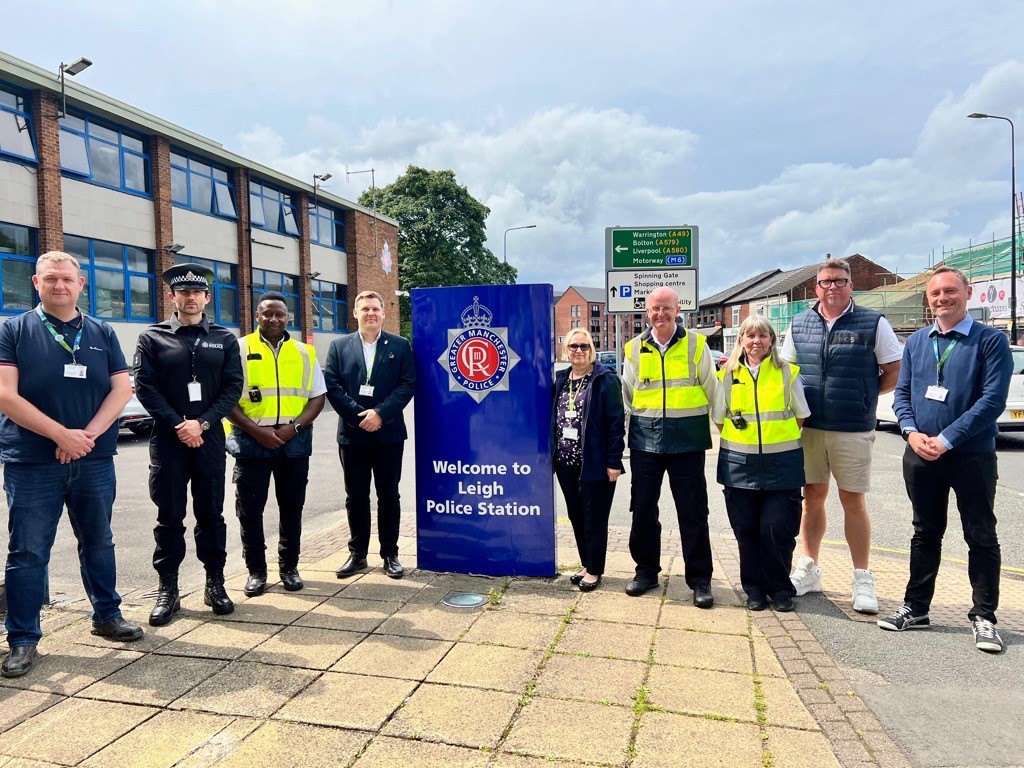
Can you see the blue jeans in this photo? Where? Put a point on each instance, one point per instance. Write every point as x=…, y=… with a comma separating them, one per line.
x=36, y=495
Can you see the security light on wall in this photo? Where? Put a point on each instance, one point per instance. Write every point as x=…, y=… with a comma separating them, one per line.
x=313, y=275
x=72, y=69
x=174, y=248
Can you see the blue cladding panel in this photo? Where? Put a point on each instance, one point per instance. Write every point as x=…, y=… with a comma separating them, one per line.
x=507, y=428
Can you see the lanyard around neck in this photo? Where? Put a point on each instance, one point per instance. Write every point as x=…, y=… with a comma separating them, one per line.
x=58, y=337
x=941, y=361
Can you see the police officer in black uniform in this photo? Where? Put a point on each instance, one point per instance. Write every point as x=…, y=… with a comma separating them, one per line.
x=188, y=375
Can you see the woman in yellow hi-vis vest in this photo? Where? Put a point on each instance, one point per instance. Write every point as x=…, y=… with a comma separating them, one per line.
x=759, y=409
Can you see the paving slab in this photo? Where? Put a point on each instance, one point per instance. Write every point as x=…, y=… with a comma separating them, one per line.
x=508, y=760
x=551, y=601
x=727, y=653
x=291, y=745
x=316, y=585
x=702, y=692
x=551, y=729
x=220, y=640
x=469, y=717
x=434, y=622
x=18, y=705
x=800, y=749
x=347, y=701
x=350, y=615
x=378, y=587
x=591, y=679
x=306, y=647
x=679, y=741
x=192, y=605
x=619, y=563
x=410, y=658
x=154, y=680
x=252, y=690
x=516, y=630
x=441, y=584
x=274, y=608
x=784, y=706
x=722, y=619
x=765, y=659
x=154, y=637
x=69, y=732
x=487, y=666
x=68, y=669
x=604, y=640
x=160, y=742
x=617, y=606
x=385, y=752
x=222, y=745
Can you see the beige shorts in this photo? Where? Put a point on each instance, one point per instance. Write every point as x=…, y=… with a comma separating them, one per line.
x=846, y=456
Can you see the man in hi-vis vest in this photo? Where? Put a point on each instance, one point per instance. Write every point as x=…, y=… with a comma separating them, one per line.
x=668, y=385
x=284, y=392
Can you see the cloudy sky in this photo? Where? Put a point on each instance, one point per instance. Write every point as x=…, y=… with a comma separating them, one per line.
x=784, y=130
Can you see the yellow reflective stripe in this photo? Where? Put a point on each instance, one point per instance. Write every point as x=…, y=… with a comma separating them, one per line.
x=285, y=392
x=774, y=416
x=751, y=448
x=307, y=372
x=678, y=413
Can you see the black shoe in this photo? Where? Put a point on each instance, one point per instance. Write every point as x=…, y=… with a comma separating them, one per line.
x=291, y=580
x=18, y=661
x=756, y=602
x=589, y=586
x=118, y=629
x=576, y=578
x=783, y=604
x=393, y=568
x=986, y=638
x=256, y=584
x=216, y=596
x=352, y=566
x=168, y=601
x=641, y=584
x=904, y=618
x=702, y=596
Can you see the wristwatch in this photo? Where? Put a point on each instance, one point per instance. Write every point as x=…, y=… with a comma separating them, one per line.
x=905, y=433
x=298, y=427
x=204, y=424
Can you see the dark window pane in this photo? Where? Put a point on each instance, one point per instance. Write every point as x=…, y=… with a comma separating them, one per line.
x=179, y=186
x=139, y=260
x=274, y=281
x=179, y=160
x=142, y=296
x=271, y=213
x=109, y=293
x=225, y=205
x=293, y=309
x=225, y=272
x=256, y=211
x=106, y=161
x=259, y=278
x=135, y=172
x=130, y=142
x=103, y=132
x=202, y=193
x=107, y=254
x=339, y=234
x=327, y=315
x=289, y=284
x=77, y=247
x=70, y=121
x=14, y=239
x=83, y=297
x=15, y=136
x=228, y=305
x=72, y=153
x=291, y=226
x=17, y=277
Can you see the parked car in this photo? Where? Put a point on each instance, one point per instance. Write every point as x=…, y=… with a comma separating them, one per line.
x=134, y=417
x=1011, y=419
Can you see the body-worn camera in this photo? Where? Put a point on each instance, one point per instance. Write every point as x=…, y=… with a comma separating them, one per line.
x=738, y=421
x=255, y=395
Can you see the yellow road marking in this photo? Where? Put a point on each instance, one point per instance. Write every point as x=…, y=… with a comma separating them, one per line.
x=897, y=551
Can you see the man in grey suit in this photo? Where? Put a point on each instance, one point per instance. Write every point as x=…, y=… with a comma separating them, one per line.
x=370, y=380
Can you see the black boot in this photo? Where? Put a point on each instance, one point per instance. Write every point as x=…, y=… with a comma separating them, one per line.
x=167, y=601
x=216, y=596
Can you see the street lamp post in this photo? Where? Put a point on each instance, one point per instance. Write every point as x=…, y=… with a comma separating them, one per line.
x=504, y=249
x=1013, y=223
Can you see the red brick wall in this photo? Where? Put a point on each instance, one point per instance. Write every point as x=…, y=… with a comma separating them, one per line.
x=365, y=272
x=48, y=189
x=163, y=217
x=305, y=318
x=564, y=318
x=240, y=178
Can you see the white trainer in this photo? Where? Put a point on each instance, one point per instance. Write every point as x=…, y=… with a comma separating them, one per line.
x=864, y=598
x=806, y=577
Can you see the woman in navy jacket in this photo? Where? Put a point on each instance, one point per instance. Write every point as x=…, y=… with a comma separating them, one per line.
x=589, y=431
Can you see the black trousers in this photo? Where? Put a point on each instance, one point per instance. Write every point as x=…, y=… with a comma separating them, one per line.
x=172, y=468
x=766, y=524
x=972, y=477
x=252, y=486
x=589, y=506
x=690, y=493
x=384, y=462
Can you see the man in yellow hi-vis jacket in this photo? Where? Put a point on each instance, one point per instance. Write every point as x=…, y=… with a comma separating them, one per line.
x=668, y=384
x=284, y=392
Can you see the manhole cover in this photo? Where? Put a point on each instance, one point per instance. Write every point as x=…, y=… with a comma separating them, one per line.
x=464, y=599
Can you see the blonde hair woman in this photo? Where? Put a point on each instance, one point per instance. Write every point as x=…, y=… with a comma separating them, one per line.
x=759, y=409
x=589, y=435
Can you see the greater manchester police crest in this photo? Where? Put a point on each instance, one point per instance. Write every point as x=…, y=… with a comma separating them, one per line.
x=478, y=358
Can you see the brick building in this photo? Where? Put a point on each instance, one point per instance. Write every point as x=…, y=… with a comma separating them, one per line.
x=583, y=307
x=130, y=194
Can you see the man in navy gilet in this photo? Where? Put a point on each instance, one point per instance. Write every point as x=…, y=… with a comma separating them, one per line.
x=848, y=355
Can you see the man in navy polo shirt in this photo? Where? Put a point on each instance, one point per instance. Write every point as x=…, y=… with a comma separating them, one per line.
x=63, y=384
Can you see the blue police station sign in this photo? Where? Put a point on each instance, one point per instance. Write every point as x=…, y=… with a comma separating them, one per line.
x=484, y=485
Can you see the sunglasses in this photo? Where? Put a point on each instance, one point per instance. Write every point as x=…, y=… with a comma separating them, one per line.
x=839, y=282
x=579, y=347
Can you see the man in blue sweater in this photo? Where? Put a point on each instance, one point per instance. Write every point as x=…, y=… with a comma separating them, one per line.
x=951, y=390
